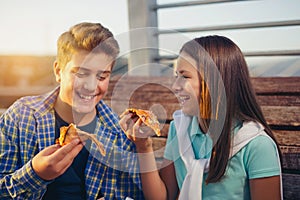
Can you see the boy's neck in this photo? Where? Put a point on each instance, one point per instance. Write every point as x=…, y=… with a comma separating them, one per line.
x=69, y=115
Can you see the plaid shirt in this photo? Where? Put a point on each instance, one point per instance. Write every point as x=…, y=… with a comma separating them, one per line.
x=28, y=126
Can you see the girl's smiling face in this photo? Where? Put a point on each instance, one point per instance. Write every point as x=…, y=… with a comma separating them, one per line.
x=187, y=84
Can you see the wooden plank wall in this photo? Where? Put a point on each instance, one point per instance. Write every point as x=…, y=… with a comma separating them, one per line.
x=279, y=98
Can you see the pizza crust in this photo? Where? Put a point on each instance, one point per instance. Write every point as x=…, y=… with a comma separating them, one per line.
x=68, y=133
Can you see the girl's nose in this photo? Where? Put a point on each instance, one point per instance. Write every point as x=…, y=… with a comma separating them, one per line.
x=177, y=85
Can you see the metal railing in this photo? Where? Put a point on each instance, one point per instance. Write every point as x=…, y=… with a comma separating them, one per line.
x=191, y=3
x=234, y=27
x=152, y=20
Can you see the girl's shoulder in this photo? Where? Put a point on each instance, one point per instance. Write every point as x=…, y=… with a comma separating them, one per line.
x=261, y=143
x=260, y=157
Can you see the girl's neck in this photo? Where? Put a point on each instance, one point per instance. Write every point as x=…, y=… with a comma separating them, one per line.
x=202, y=125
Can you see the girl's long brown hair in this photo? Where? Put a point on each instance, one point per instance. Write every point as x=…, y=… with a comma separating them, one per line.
x=240, y=99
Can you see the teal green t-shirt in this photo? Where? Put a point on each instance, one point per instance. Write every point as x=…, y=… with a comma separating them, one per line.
x=256, y=160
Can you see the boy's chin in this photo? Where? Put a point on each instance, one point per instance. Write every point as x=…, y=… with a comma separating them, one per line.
x=83, y=110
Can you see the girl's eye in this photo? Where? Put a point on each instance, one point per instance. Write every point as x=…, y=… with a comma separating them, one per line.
x=182, y=76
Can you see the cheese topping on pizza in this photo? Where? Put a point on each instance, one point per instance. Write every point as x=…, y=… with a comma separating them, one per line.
x=68, y=133
x=148, y=118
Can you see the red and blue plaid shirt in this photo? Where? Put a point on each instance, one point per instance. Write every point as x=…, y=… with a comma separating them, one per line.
x=28, y=126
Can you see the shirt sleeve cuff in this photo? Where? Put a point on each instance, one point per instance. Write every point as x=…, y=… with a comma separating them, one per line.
x=33, y=181
x=264, y=173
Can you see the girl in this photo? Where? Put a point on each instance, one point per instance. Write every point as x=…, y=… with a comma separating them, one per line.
x=219, y=145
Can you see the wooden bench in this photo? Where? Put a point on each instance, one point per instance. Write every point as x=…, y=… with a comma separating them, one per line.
x=278, y=97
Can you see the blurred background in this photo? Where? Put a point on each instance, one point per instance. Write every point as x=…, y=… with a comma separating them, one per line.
x=267, y=31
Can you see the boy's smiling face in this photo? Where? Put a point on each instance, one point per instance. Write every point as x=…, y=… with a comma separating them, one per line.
x=84, y=81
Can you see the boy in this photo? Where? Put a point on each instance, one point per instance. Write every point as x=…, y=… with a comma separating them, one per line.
x=32, y=166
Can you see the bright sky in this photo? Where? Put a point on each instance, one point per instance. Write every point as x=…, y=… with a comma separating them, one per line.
x=33, y=26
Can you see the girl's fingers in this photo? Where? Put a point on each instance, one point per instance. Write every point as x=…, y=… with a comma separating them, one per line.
x=124, y=121
x=141, y=130
x=136, y=127
x=126, y=112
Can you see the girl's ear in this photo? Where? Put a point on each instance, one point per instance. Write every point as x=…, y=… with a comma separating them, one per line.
x=57, y=71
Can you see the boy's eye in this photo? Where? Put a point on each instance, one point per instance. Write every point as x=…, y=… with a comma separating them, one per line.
x=102, y=76
x=81, y=74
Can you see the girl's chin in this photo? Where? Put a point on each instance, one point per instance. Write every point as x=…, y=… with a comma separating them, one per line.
x=189, y=111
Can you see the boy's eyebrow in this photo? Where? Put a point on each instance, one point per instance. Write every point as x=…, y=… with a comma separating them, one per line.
x=87, y=69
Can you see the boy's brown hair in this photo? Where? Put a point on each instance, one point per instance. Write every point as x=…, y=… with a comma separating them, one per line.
x=90, y=37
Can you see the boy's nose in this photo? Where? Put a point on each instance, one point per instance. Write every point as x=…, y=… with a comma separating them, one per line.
x=91, y=84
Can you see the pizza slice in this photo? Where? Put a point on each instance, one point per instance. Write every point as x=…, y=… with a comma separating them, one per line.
x=148, y=118
x=68, y=133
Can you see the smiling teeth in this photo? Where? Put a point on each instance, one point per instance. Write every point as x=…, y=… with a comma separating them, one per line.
x=87, y=97
x=183, y=98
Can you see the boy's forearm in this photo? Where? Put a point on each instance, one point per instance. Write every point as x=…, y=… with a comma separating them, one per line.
x=21, y=184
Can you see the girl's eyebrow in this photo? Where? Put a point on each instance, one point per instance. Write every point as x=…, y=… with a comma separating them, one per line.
x=183, y=71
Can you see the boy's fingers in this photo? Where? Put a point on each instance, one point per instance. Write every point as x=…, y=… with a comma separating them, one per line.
x=69, y=157
x=50, y=150
x=62, y=152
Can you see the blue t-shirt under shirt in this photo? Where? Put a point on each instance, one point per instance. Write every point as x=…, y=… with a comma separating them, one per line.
x=71, y=184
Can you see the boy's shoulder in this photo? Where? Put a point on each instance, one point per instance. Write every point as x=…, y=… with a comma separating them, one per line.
x=39, y=103
x=108, y=116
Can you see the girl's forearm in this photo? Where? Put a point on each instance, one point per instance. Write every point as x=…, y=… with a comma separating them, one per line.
x=152, y=184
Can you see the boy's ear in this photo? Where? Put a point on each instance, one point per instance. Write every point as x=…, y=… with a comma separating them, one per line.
x=57, y=71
